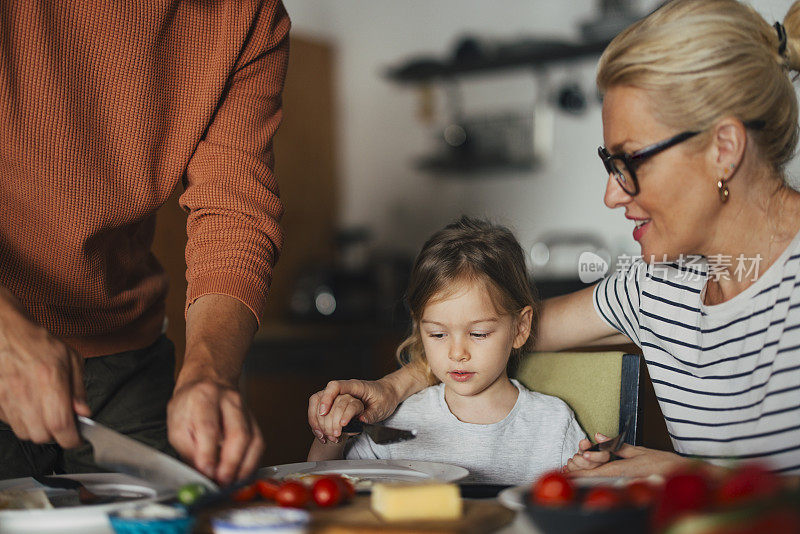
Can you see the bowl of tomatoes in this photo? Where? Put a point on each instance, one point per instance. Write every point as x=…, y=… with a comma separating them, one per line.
x=557, y=504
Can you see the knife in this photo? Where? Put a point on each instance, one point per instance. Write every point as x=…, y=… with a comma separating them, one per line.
x=380, y=434
x=122, y=454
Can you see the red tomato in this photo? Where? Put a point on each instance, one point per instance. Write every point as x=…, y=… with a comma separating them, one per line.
x=328, y=492
x=292, y=494
x=245, y=494
x=684, y=491
x=748, y=482
x=267, y=487
x=347, y=485
x=641, y=493
x=603, y=498
x=553, y=489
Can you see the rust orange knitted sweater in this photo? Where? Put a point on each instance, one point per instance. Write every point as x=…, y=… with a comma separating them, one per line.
x=105, y=107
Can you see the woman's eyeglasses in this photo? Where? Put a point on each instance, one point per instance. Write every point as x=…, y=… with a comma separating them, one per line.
x=623, y=166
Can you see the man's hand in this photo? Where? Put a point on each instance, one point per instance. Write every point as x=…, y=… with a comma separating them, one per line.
x=207, y=421
x=208, y=425
x=41, y=379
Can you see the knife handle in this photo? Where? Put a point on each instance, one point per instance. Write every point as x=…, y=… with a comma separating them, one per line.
x=353, y=427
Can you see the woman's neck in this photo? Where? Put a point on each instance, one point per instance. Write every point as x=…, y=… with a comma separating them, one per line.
x=751, y=237
x=489, y=406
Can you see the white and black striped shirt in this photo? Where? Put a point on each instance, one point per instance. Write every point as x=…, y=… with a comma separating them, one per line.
x=727, y=376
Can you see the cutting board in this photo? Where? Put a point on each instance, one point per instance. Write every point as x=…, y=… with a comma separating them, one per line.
x=356, y=517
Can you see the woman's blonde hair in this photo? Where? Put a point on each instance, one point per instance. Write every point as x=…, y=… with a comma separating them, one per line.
x=468, y=250
x=701, y=60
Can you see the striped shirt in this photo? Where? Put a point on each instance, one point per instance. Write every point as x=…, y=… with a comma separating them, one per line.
x=727, y=376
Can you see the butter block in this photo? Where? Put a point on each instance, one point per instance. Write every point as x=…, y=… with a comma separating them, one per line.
x=406, y=502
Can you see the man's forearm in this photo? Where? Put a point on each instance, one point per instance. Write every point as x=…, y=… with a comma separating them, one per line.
x=219, y=331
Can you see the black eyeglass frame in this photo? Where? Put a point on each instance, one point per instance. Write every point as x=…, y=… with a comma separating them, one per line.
x=632, y=161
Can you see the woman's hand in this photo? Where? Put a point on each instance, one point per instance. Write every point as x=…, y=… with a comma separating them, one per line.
x=344, y=408
x=634, y=462
x=376, y=400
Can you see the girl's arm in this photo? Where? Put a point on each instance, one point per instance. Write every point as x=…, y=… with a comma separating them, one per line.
x=328, y=451
x=570, y=321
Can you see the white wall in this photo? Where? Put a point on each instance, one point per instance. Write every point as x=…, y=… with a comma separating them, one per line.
x=380, y=135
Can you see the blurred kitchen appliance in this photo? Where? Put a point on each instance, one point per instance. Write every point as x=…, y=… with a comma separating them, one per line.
x=614, y=16
x=504, y=140
x=358, y=286
x=555, y=261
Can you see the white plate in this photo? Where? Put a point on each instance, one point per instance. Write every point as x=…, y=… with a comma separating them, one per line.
x=86, y=519
x=514, y=498
x=371, y=470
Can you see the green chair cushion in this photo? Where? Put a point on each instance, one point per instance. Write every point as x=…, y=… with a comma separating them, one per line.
x=589, y=382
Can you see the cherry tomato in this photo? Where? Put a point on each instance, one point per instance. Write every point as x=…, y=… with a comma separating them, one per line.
x=347, y=485
x=553, y=489
x=292, y=494
x=245, y=494
x=684, y=491
x=328, y=492
x=603, y=498
x=641, y=493
x=267, y=487
x=748, y=482
x=349, y=488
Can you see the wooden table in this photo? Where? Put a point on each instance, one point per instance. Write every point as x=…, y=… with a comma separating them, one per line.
x=480, y=516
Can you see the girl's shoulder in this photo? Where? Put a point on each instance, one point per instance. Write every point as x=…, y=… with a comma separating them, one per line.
x=422, y=401
x=534, y=400
x=428, y=394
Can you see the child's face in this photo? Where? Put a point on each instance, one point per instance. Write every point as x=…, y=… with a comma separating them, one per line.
x=467, y=341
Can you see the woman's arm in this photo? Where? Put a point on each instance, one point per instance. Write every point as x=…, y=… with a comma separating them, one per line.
x=570, y=321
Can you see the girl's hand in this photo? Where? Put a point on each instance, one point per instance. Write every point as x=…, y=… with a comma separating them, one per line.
x=329, y=427
x=585, y=459
x=634, y=462
x=378, y=401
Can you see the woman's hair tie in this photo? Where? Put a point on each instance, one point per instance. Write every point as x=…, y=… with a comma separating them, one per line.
x=781, y=37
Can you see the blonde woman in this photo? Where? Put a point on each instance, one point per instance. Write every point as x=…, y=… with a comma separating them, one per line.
x=699, y=120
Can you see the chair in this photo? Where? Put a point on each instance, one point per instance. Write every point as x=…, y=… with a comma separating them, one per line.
x=602, y=388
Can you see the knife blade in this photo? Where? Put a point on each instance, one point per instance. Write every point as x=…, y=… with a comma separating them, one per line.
x=380, y=434
x=122, y=454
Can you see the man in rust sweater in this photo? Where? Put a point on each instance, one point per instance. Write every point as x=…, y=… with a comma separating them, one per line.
x=105, y=108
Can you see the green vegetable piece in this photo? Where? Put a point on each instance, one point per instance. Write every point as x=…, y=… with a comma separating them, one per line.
x=188, y=493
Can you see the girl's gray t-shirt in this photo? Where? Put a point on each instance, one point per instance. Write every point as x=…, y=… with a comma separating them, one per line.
x=539, y=434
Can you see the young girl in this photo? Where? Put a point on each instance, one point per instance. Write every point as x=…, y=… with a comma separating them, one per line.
x=472, y=309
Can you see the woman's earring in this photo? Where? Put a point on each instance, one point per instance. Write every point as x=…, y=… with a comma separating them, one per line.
x=722, y=187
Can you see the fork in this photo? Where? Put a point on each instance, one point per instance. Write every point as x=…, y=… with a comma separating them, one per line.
x=613, y=444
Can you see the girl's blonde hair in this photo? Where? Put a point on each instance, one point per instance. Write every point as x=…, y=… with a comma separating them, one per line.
x=701, y=60
x=468, y=250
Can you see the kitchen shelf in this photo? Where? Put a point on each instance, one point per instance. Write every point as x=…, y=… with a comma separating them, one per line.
x=525, y=54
